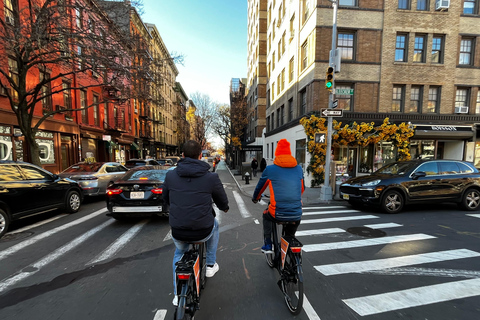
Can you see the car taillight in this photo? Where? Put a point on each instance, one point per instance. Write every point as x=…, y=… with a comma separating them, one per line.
x=157, y=191
x=296, y=249
x=111, y=192
x=183, y=276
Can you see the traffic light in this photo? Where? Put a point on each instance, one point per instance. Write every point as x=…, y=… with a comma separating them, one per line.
x=329, y=79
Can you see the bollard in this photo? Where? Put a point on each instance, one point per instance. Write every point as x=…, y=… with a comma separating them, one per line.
x=247, y=177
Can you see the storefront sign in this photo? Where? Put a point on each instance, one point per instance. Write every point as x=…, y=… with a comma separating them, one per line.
x=444, y=128
x=107, y=137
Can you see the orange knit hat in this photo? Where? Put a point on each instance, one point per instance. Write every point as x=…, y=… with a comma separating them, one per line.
x=283, y=147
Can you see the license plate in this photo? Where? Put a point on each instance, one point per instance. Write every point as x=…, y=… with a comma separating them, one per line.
x=137, y=195
x=346, y=196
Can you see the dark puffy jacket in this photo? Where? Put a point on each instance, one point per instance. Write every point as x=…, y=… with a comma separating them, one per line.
x=189, y=190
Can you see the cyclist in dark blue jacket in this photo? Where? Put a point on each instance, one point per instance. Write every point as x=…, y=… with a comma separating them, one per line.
x=189, y=190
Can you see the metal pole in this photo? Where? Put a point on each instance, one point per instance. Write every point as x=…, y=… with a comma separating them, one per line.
x=326, y=190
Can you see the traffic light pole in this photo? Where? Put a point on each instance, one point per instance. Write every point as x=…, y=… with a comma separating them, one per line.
x=326, y=191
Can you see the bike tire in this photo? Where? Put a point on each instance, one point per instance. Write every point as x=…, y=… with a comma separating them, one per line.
x=292, y=283
x=184, y=301
x=203, y=265
x=269, y=257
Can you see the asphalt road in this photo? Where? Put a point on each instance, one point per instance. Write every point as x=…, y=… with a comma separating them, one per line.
x=423, y=263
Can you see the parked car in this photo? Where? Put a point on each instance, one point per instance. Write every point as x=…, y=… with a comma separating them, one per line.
x=132, y=163
x=138, y=193
x=95, y=177
x=174, y=159
x=416, y=181
x=26, y=189
x=165, y=162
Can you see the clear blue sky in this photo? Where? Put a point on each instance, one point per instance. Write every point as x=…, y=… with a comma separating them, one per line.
x=212, y=37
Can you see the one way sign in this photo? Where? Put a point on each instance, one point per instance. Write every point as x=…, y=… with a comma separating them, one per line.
x=332, y=113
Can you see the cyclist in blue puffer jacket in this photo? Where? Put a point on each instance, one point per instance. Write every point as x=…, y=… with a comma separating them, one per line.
x=285, y=181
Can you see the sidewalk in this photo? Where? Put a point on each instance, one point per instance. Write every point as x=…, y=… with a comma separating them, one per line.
x=310, y=196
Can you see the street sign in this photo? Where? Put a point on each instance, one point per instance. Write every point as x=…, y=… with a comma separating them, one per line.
x=332, y=113
x=335, y=104
x=321, y=137
x=344, y=91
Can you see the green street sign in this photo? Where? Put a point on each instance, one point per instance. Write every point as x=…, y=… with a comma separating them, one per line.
x=344, y=91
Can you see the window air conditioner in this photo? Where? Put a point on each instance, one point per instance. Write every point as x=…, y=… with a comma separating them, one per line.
x=463, y=109
x=442, y=4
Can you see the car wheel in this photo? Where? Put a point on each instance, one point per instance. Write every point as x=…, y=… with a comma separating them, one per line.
x=392, y=202
x=73, y=201
x=4, y=222
x=471, y=200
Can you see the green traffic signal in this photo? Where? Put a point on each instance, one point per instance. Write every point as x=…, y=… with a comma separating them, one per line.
x=329, y=78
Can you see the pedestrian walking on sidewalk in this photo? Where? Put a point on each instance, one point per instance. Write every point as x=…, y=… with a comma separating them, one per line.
x=263, y=164
x=254, y=166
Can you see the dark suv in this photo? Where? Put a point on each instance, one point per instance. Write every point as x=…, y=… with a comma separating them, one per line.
x=26, y=189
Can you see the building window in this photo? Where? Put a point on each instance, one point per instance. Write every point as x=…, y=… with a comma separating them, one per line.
x=79, y=18
x=9, y=6
x=268, y=125
x=67, y=97
x=273, y=61
x=13, y=73
x=306, y=11
x=477, y=105
x=282, y=79
x=345, y=44
x=304, y=55
x=292, y=27
x=96, y=117
x=349, y=3
x=401, y=48
x=437, y=49
x=46, y=91
x=300, y=151
x=415, y=100
x=105, y=118
x=419, y=49
x=422, y=5
x=282, y=115
x=397, y=99
x=290, y=108
x=279, y=81
x=303, y=100
x=470, y=6
x=404, y=4
x=344, y=100
x=433, y=99
x=283, y=43
x=273, y=91
x=461, y=101
x=466, y=47
x=83, y=104
x=291, y=69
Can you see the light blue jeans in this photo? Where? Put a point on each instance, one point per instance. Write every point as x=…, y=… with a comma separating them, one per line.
x=182, y=247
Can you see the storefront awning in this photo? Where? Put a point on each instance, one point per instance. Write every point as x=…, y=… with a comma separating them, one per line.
x=446, y=132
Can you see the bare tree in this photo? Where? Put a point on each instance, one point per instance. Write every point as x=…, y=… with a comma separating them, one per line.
x=206, y=110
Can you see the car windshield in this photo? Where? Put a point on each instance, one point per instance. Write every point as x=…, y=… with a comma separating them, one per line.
x=158, y=175
x=84, y=167
x=135, y=163
x=396, y=168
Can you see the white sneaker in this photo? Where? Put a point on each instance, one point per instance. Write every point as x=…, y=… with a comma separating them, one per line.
x=212, y=270
x=175, y=301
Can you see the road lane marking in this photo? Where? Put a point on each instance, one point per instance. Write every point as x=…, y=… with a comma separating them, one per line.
x=241, y=205
x=46, y=234
x=38, y=224
x=475, y=215
x=311, y=213
x=168, y=236
x=160, y=314
x=307, y=307
x=415, y=297
x=120, y=242
x=318, y=231
x=365, y=242
x=369, y=265
x=428, y=272
x=338, y=219
x=383, y=225
x=34, y=268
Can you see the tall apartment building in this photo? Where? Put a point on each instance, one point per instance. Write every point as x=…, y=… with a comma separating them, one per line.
x=413, y=61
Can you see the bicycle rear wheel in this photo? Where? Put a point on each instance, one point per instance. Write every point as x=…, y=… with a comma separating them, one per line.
x=185, y=303
x=292, y=282
x=202, y=253
x=269, y=257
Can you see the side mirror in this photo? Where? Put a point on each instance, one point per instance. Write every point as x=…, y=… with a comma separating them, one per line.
x=418, y=174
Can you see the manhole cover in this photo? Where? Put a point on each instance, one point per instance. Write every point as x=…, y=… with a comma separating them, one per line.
x=15, y=236
x=367, y=232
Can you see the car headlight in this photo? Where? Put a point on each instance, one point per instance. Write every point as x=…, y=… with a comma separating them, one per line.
x=371, y=183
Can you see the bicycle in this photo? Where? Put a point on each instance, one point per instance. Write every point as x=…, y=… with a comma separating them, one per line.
x=190, y=274
x=287, y=259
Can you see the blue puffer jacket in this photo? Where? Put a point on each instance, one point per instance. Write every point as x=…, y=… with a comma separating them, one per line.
x=285, y=181
x=189, y=190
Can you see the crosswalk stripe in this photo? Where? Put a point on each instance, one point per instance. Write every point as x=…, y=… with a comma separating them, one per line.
x=324, y=208
x=120, y=242
x=365, y=242
x=312, y=213
x=37, y=224
x=383, y=225
x=241, y=205
x=475, y=215
x=415, y=297
x=318, y=231
x=34, y=268
x=44, y=235
x=363, y=266
x=338, y=219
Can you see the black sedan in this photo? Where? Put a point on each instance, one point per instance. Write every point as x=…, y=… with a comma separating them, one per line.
x=26, y=189
x=138, y=193
x=416, y=181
